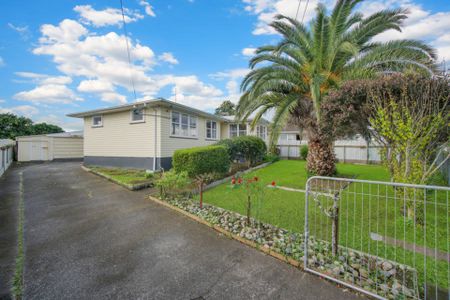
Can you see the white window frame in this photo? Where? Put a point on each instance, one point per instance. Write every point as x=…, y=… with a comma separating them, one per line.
x=132, y=114
x=191, y=125
x=101, y=121
x=214, y=136
x=260, y=129
x=238, y=129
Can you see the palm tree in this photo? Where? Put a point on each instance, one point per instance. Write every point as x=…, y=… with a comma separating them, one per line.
x=294, y=76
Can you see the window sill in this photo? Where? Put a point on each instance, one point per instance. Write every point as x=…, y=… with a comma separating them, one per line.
x=184, y=137
x=209, y=139
x=96, y=126
x=137, y=122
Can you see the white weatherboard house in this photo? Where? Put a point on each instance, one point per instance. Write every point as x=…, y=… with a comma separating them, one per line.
x=145, y=134
x=6, y=154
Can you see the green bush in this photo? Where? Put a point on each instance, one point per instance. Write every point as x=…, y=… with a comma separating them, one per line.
x=201, y=160
x=303, y=151
x=172, y=183
x=271, y=158
x=251, y=148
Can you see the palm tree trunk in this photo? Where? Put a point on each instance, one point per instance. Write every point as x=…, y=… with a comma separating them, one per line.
x=321, y=159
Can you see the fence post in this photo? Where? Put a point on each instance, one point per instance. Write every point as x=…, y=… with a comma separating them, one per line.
x=335, y=226
x=344, y=154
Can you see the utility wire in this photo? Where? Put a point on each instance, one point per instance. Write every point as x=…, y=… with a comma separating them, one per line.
x=298, y=7
x=306, y=8
x=128, y=49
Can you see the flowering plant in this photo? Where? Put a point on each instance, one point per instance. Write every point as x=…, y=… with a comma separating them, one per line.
x=254, y=188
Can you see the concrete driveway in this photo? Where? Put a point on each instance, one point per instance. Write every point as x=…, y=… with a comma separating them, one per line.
x=88, y=238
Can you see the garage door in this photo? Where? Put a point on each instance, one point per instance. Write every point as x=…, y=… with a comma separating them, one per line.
x=38, y=150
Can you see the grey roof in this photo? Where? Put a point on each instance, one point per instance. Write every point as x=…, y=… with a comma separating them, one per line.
x=6, y=143
x=152, y=102
x=78, y=133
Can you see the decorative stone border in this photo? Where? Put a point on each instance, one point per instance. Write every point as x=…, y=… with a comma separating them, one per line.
x=372, y=273
x=131, y=187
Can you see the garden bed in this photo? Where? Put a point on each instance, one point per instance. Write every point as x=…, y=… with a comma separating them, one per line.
x=131, y=179
x=351, y=266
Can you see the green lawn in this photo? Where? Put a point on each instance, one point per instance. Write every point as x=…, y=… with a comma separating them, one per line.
x=126, y=176
x=364, y=209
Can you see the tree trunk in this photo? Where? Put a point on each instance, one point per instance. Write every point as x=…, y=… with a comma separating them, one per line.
x=321, y=159
x=249, y=208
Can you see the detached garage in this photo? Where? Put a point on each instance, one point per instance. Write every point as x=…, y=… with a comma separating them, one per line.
x=66, y=145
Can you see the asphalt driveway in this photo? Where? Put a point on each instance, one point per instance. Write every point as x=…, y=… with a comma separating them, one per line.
x=88, y=238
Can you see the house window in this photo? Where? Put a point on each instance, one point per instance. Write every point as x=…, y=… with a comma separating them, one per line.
x=137, y=115
x=211, y=130
x=261, y=131
x=238, y=130
x=184, y=125
x=97, y=121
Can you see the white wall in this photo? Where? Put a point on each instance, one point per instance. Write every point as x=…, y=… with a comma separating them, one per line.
x=6, y=158
x=346, y=150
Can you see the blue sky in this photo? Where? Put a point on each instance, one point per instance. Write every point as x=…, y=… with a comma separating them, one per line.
x=58, y=57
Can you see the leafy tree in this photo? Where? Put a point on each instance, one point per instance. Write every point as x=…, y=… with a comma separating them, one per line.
x=227, y=108
x=12, y=126
x=44, y=128
x=407, y=114
x=294, y=76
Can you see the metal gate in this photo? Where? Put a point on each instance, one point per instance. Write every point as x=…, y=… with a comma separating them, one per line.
x=387, y=240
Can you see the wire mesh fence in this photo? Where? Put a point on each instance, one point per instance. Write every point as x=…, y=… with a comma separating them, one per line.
x=389, y=240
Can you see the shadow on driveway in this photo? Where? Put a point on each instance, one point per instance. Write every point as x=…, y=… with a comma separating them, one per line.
x=88, y=238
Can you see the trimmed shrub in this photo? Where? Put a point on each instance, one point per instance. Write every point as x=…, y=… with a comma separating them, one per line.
x=251, y=148
x=201, y=160
x=303, y=151
x=172, y=183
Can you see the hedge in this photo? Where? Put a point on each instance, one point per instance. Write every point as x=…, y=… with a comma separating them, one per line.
x=201, y=160
x=251, y=148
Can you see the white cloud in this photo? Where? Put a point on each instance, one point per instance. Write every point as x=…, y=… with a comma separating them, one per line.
x=2, y=101
x=102, y=64
x=67, y=124
x=168, y=57
x=95, y=86
x=266, y=10
x=22, y=110
x=23, y=31
x=108, y=16
x=148, y=8
x=112, y=97
x=48, y=94
x=248, y=51
x=233, y=78
x=2, y=62
x=421, y=24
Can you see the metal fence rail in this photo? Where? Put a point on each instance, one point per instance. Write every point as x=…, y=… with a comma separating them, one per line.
x=388, y=240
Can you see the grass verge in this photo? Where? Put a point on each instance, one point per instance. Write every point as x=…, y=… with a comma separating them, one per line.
x=17, y=288
x=132, y=179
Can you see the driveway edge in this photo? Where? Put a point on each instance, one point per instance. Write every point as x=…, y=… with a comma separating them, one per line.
x=131, y=187
x=228, y=234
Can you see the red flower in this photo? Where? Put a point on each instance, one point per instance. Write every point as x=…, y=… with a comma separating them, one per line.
x=233, y=180
x=255, y=178
x=240, y=180
x=273, y=183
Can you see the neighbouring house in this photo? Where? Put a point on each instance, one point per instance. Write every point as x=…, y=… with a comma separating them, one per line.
x=145, y=134
x=53, y=146
x=7, y=150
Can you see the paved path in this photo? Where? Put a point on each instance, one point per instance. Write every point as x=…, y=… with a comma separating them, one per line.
x=88, y=238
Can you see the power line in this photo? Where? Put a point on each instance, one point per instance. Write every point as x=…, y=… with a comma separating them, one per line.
x=298, y=7
x=306, y=8
x=128, y=49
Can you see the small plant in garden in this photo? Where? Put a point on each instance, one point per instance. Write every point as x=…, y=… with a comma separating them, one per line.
x=201, y=180
x=254, y=188
x=172, y=183
x=304, y=151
